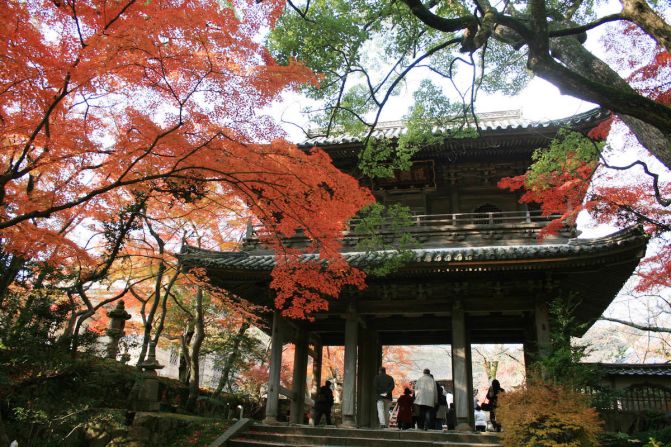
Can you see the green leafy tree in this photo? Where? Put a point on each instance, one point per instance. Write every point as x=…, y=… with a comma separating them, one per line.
x=383, y=230
x=366, y=49
x=563, y=363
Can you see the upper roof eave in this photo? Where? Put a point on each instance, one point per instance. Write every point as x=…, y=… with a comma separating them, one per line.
x=634, y=369
x=631, y=237
x=488, y=127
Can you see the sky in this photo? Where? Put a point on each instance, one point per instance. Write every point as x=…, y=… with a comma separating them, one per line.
x=539, y=101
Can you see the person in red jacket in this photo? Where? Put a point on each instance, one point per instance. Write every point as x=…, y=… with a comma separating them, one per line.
x=404, y=417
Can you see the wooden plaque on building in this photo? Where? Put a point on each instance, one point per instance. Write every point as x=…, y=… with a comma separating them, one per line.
x=421, y=175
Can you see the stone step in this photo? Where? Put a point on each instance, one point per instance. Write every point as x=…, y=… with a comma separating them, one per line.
x=420, y=435
x=351, y=441
x=242, y=442
x=306, y=436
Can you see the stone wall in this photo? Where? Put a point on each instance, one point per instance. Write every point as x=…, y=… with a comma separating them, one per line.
x=148, y=430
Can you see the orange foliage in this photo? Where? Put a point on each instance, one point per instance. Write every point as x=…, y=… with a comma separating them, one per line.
x=333, y=363
x=251, y=383
x=647, y=62
x=601, y=131
x=560, y=191
x=635, y=204
x=396, y=359
x=102, y=102
x=542, y=415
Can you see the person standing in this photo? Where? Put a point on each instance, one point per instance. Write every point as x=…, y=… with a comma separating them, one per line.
x=405, y=404
x=451, y=417
x=323, y=403
x=441, y=411
x=383, y=386
x=493, y=399
x=480, y=419
x=426, y=398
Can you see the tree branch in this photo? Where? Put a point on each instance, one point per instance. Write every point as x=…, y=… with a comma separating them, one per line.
x=655, y=178
x=439, y=23
x=587, y=27
x=641, y=327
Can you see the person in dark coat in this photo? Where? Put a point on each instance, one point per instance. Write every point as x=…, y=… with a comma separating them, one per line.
x=323, y=403
x=383, y=384
x=441, y=408
x=451, y=419
x=405, y=404
x=493, y=398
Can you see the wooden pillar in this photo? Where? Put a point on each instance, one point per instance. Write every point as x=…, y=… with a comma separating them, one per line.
x=542, y=324
x=368, y=366
x=469, y=376
x=317, y=368
x=530, y=356
x=360, y=377
x=460, y=360
x=529, y=346
x=299, y=377
x=349, y=380
x=376, y=362
x=277, y=340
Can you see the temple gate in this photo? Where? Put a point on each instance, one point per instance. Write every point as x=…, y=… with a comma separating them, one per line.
x=479, y=273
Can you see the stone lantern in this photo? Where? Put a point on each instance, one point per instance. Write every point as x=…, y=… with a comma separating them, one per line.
x=148, y=399
x=118, y=317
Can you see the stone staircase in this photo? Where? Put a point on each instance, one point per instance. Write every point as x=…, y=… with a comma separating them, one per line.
x=307, y=436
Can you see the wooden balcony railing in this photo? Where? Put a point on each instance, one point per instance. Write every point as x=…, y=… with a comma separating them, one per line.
x=504, y=220
x=456, y=220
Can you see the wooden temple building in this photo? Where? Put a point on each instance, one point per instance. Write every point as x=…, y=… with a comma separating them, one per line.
x=479, y=274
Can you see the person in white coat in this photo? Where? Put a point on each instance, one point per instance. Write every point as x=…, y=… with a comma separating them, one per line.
x=480, y=419
x=426, y=398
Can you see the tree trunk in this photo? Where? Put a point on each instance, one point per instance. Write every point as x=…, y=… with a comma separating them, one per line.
x=198, y=337
x=148, y=324
x=9, y=275
x=74, y=343
x=583, y=63
x=230, y=360
x=184, y=357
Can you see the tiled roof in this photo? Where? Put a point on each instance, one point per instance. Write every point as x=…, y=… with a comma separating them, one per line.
x=487, y=122
x=574, y=247
x=631, y=369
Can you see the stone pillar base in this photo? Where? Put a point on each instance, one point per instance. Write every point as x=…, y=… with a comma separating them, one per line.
x=271, y=421
x=463, y=426
x=348, y=421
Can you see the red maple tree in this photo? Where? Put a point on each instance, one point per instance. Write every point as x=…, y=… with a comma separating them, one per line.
x=570, y=183
x=102, y=103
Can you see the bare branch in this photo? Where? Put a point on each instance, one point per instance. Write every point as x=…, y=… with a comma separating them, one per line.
x=655, y=178
x=587, y=27
x=642, y=327
x=439, y=23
